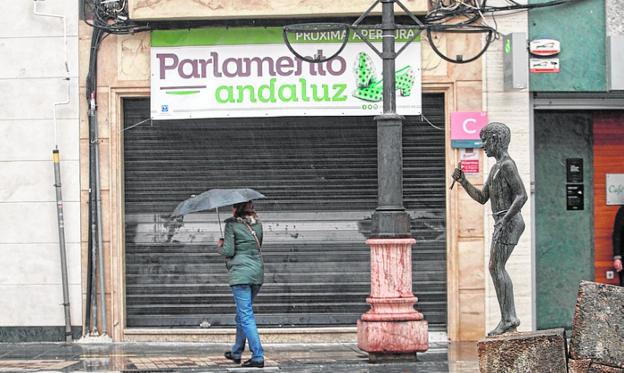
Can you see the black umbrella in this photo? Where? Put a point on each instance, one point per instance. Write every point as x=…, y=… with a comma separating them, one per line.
x=215, y=198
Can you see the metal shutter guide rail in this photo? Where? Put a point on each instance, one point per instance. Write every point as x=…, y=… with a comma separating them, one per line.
x=579, y=101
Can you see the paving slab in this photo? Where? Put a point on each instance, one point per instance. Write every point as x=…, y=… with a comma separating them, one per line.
x=208, y=358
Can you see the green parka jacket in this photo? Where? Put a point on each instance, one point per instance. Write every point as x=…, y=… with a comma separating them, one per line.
x=243, y=256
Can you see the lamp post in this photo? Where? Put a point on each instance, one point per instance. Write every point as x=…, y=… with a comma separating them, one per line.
x=392, y=328
x=390, y=219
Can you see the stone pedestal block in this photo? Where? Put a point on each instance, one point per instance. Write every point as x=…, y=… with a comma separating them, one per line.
x=392, y=337
x=598, y=325
x=392, y=326
x=542, y=351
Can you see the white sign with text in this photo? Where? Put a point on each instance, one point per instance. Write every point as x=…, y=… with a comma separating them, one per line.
x=615, y=189
x=249, y=72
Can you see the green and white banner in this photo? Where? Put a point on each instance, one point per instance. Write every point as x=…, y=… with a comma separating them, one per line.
x=249, y=72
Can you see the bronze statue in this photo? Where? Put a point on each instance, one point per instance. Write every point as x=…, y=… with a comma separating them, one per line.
x=507, y=194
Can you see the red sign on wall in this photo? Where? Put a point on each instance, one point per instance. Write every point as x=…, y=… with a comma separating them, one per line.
x=470, y=166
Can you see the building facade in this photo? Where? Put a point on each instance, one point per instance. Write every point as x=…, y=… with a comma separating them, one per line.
x=577, y=131
x=163, y=281
x=319, y=175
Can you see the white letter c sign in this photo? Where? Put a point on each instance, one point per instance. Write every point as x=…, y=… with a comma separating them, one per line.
x=465, y=125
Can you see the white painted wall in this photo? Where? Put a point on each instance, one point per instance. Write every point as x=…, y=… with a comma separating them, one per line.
x=512, y=108
x=31, y=80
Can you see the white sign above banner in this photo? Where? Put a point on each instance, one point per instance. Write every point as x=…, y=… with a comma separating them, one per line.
x=249, y=72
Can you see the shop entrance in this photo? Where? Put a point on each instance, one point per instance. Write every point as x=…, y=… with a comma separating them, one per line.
x=573, y=236
x=320, y=177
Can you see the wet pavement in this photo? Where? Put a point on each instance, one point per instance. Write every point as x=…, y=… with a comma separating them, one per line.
x=201, y=357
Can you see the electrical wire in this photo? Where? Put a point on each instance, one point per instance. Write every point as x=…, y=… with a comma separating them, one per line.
x=446, y=16
x=112, y=16
x=469, y=16
x=426, y=120
x=136, y=124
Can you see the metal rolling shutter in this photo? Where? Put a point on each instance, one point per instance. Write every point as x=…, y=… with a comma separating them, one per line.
x=320, y=176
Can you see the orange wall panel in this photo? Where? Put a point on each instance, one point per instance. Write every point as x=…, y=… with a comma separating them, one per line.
x=608, y=159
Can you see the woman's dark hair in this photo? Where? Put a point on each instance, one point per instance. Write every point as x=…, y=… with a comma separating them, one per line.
x=244, y=209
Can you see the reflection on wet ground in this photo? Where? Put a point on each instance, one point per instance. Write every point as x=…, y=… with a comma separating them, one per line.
x=201, y=357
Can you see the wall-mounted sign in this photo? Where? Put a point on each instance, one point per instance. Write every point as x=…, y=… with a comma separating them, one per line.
x=469, y=161
x=249, y=72
x=544, y=47
x=575, y=197
x=465, y=128
x=574, y=170
x=470, y=166
x=615, y=189
x=544, y=65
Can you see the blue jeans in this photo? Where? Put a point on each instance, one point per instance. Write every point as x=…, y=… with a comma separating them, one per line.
x=246, y=329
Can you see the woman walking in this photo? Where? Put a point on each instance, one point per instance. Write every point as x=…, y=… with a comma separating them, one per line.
x=241, y=245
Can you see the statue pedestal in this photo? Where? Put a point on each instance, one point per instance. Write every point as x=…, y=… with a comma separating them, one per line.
x=540, y=351
x=392, y=326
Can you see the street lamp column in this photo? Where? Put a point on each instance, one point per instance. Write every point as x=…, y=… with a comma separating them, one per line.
x=392, y=328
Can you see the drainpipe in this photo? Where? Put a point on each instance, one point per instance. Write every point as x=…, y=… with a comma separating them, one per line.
x=93, y=219
x=98, y=203
x=95, y=215
x=61, y=230
x=57, y=179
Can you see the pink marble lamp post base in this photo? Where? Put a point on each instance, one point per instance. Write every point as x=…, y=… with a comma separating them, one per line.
x=392, y=325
